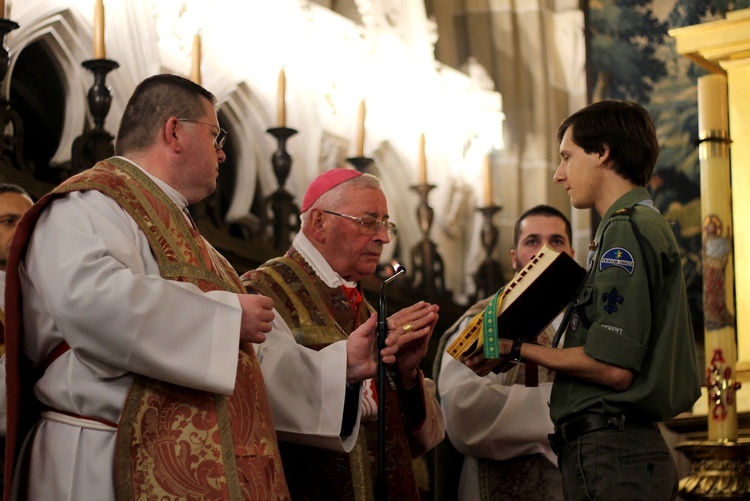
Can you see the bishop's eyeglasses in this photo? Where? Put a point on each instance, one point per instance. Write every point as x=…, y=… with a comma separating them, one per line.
x=368, y=225
x=220, y=137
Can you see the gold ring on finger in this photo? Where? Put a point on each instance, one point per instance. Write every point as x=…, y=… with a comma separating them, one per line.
x=407, y=328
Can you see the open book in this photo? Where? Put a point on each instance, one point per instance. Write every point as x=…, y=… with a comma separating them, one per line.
x=535, y=296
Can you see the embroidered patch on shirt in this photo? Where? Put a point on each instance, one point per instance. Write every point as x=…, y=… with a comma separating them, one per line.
x=611, y=328
x=618, y=257
x=611, y=300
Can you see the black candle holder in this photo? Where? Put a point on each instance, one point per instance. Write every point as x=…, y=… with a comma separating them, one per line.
x=96, y=144
x=10, y=119
x=6, y=26
x=362, y=164
x=285, y=214
x=100, y=94
x=425, y=259
x=489, y=275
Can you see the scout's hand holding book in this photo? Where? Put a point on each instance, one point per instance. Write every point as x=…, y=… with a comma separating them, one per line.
x=518, y=312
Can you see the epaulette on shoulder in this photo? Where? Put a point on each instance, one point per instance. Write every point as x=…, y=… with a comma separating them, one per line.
x=625, y=211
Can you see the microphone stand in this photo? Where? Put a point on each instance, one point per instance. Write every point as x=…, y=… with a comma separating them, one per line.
x=381, y=486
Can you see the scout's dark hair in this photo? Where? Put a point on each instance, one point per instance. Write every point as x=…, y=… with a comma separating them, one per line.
x=626, y=128
x=541, y=210
x=155, y=100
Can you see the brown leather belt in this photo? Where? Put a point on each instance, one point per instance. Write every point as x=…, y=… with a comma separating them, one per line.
x=592, y=421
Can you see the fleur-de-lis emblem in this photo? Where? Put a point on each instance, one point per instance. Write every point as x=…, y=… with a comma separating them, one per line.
x=611, y=300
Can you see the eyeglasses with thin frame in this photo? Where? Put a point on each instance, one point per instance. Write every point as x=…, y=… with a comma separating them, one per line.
x=368, y=225
x=220, y=137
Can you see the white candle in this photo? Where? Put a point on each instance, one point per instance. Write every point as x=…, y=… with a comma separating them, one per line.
x=421, y=162
x=99, y=50
x=360, y=152
x=718, y=278
x=195, y=71
x=487, y=180
x=281, y=99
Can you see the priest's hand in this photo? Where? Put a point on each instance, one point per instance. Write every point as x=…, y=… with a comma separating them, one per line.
x=412, y=327
x=362, y=352
x=257, y=315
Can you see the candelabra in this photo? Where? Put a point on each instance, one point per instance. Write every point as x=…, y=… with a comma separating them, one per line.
x=426, y=261
x=489, y=277
x=95, y=144
x=285, y=219
x=362, y=164
x=10, y=120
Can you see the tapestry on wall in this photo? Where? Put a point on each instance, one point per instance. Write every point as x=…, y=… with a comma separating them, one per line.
x=632, y=56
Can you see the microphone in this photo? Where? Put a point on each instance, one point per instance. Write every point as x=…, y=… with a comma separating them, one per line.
x=400, y=270
x=381, y=491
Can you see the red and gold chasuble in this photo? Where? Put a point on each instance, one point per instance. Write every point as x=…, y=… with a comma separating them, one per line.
x=319, y=316
x=175, y=442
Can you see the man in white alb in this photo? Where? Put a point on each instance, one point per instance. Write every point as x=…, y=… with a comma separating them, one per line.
x=139, y=331
x=500, y=422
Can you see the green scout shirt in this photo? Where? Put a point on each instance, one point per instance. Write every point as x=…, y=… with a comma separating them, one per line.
x=621, y=320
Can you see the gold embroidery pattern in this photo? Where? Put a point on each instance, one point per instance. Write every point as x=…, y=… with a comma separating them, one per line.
x=319, y=316
x=175, y=442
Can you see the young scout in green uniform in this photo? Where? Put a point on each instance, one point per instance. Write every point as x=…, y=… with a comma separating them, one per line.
x=628, y=359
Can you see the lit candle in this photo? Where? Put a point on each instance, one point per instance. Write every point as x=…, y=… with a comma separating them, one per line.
x=281, y=99
x=195, y=71
x=421, y=162
x=99, y=51
x=487, y=180
x=361, y=129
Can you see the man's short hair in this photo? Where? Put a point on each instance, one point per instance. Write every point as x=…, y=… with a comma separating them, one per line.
x=13, y=188
x=541, y=210
x=626, y=128
x=155, y=100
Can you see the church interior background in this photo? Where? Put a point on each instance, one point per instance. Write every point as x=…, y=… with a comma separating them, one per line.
x=453, y=104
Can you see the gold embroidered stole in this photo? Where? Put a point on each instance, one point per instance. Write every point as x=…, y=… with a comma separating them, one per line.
x=319, y=316
x=175, y=442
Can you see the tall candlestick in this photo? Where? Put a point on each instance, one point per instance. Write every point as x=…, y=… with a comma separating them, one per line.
x=360, y=152
x=421, y=162
x=281, y=99
x=195, y=70
x=487, y=180
x=718, y=277
x=99, y=50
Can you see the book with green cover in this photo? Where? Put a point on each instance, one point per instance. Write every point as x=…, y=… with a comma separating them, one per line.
x=521, y=309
